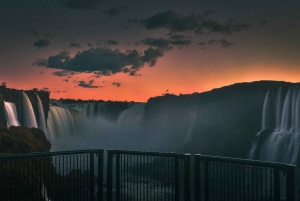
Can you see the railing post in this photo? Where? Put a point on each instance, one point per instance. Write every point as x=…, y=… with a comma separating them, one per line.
x=187, y=177
x=291, y=193
x=100, y=175
x=206, y=179
x=276, y=184
x=117, y=177
x=176, y=179
x=92, y=182
x=109, y=174
x=197, y=178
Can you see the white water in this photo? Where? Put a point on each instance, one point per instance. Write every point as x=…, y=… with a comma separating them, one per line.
x=70, y=129
x=41, y=121
x=28, y=113
x=280, y=135
x=11, y=115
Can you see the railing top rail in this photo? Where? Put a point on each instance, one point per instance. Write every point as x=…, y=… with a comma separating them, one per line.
x=44, y=154
x=247, y=162
x=148, y=153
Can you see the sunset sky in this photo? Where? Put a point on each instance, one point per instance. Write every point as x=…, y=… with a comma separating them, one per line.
x=136, y=49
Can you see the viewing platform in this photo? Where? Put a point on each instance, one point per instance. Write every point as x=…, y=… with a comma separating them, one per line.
x=116, y=175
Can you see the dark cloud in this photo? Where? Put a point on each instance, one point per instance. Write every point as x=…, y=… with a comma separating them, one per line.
x=41, y=43
x=103, y=61
x=172, y=21
x=151, y=55
x=73, y=44
x=89, y=44
x=87, y=85
x=156, y=42
x=181, y=42
x=175, y=22
x=64, y=73
x=224, y=43
x=112, y=12
x=177, y=37
x=112, y=42
x=118, y=84
x=66, y=80
x=164, y=44
x=81, y=4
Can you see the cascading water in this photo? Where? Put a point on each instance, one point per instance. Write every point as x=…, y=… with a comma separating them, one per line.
x=11, y=115
x=279, y=138
x=41, y=121
x=60, y=123
x=69, y=129
x=28, y=113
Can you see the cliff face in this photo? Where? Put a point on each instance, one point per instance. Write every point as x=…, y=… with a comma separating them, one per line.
x=23, y=140
x=15, y=96
x=219, y=122
x=21, y=178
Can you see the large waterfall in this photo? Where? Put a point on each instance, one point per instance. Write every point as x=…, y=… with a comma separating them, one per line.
x=87, y=126
x=279, y=138
x=28, y=113
x=11, y=115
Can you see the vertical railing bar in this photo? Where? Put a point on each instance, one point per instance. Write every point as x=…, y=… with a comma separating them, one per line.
x=206, y=180
x=187, y=173
x=77, y=176
x=161, y=179
x=261, y=183
x=148, y=175
x=109, y=175
x=128, y=180
x=121, y=177
x=176, y=179
x=117, y=177
x=92, y=182
x=271, y=183
x=276, y=184
x=140, y=176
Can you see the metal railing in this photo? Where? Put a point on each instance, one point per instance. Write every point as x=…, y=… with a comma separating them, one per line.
x=220, y=178
x=142, y=176
x=147, y=176
x=65, y=175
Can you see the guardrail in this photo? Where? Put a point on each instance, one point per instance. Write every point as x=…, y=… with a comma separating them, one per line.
x=65, y=175
x=142, y=176
x=220, y=178
x=147, y=176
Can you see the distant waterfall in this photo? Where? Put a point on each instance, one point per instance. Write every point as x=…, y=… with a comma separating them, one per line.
x=41, y=121
x=132, y=118
x=28, y=113
x=11, y=114
x=61, y=122
x=279, y=138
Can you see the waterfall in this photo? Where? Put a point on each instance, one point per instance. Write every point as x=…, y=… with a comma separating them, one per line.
x=41, y=122
x=60, y=122
x=132, y=117
x=280, y=135
x=11, y=115
x=28, y=113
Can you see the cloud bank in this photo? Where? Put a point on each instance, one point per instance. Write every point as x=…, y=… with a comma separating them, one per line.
x=101, y=61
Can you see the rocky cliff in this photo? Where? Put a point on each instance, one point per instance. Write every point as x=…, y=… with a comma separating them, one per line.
x=220, y=122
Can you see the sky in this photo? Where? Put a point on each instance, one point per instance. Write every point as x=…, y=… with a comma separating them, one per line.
x=136, y=49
